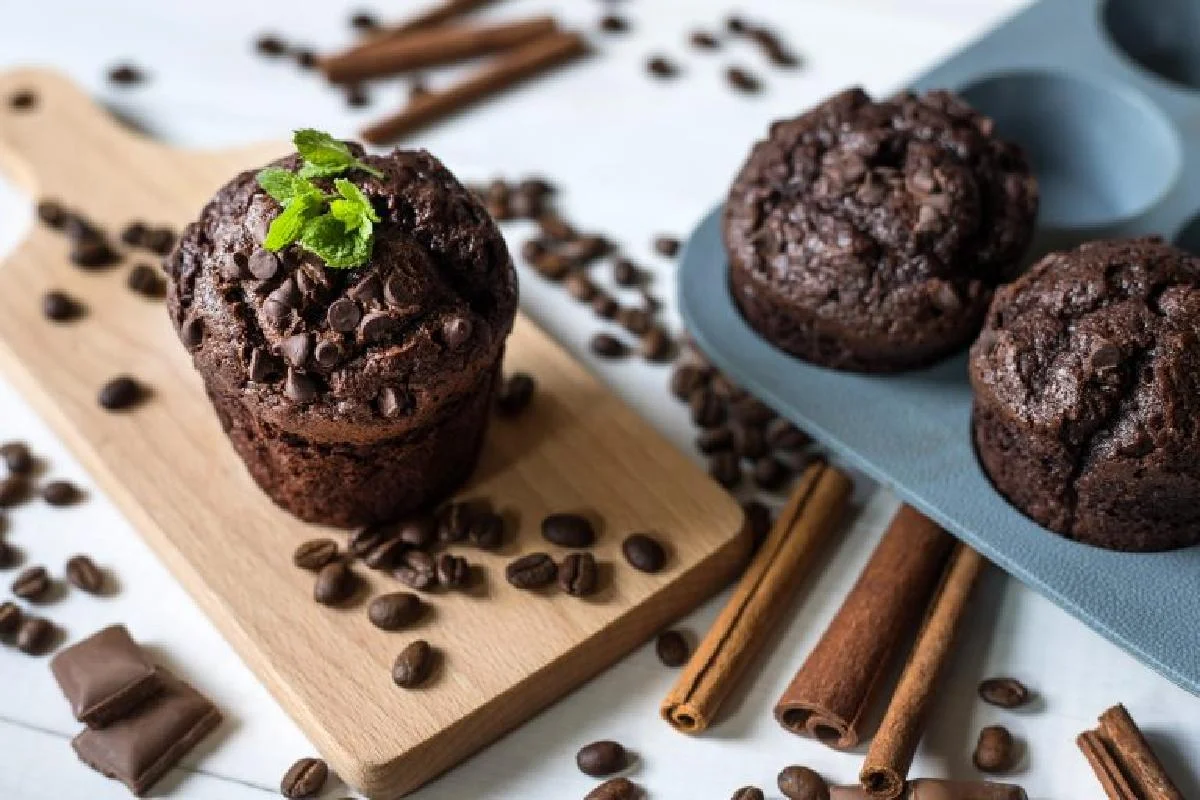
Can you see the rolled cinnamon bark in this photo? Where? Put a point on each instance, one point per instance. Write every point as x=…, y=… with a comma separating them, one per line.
x=834, y=687
x=762, y=597
x=437, y=15
x=1123, y=762
x=932, y=789
x=432, y=46
x=508, y=69
x=890, y=756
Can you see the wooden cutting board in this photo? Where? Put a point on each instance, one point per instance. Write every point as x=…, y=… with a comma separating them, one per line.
x=507, y=654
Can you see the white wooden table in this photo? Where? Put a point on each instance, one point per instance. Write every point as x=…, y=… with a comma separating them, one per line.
x=634, y=158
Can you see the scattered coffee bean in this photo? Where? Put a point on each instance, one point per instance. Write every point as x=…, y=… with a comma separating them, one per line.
x=606, y=345
x=605, y=305
x=801, y=783
x=615, y=789
x=1004, y=692
x=159, y=240
x=660, y=67
x=315, y=554
x=726, y=469
x=146, y=281
x=568, y=530
x=52, y=214
x=643, y=552
x=626, y=273
x=61, y=493
x=357, y=96
x=306, y=778
x=417, y=531
x=736, y=25
x=32, y=584
x=783, y=435
x=672, y=649
x=414, y=665
x=133, y=233
x=635, y=320
x=453, y=572
x=601, y=759
x=758, y=522
x=552, y=266
x=555, y=228
x=60, y=307
x=715, y=440
x=125, y=75
x=515, y=394
x=613, y=23
x=707, y=409
x=750, y=411
x=10, y=619
x=386, y=554
x=580, y=287
x=748, y=793
x=364, y=21
x=84, y=575
x=120, y=393
x=366, y=539
x=686, y=379
x=14, y=490
x=749, y=442
x=334, y=584
x=17, y=457
x=270, y=45
x=774, y=48
x=996, y=751
x=418, y=571
x=578, y=576
x=35, y=636
x=531, y=571
x=487, y=531
x=742, y=80
x=306, y=57
x=91, y=252
x=666, y=245
x=8, y=555
x=454, y=523
x=656, y=345
x=22, y=100
x=725, y=389
x=704, y=40
x=394, y=611
x=770, y=474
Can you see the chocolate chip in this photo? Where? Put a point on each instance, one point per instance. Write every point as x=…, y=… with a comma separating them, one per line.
x=315, y=554
x=601, y=759
x=660, y=67
x=159, y=240
x=613, y=23
x=77, y=228
x=578, y=575
x=414, y=665
x=270, y=45
x=726, y=469
x=515, y=394
x=456, y=331
x=531, y=571
x=742, y=80
x=192, y=333
x=643, y=552
x=306, y=778
x=704, y=40
x=125, y=75
x=996, y=751
x=120, y=393
x=14, y=490
x=295, y=349
x=606, y=345
x=17, y=457
x=656, y=345
x=706, y=408
x=84, y=575
x=61, y=493
x=327, y=354
x=368, y=289
x=335, y=583
x=615, y=789
x=375, y=326
x=343, y=315
x=52, y=213
x=391, y=612
x=568, y=530
x=583, y=250
x=801, y=783
x=299, y=388
x=35, y=636
x=276, y=312
x=263, y=366
x=32, y=584
x=146, y=281
x=10, y=619
x=667, y=246
x=263, y=264
x=286, y=294
x=453, y=571
x=1004, y=692
x=672, y=649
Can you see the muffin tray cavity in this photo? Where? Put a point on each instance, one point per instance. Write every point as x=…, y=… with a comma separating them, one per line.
x=1105, y=99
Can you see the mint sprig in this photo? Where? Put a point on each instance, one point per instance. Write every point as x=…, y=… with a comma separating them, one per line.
x=338, y=228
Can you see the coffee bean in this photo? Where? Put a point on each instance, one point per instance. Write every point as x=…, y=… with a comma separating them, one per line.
x=417, y=531
x=667, y=246
x=656, y=345
x=386, y=554
x=35, y=636
x=366, y=539
x=643, y=552
x=736, y=25
x=568, y=530
x=414, y=665
x=17, y=457
x=159, y=240
x=1004, y=692
x=774, y=49
x=270, y=45
x=91, y=252
x=335, y=583
x=686, y=379
x=726, y=469
x=394, y=611
x=555, y=228
x=995, y=751
x=751, y=411
x=10, y=619
x=801, y=783
x=615, y=789
x=531, y=571
x=454, y=523
x=601, y=759
x=758, y=522
x=364, y=21
x=605, y=305
x=120, y=393
x=419, y=571
x=61, y=493
x=8, y=555
x=749, y=442
x=305, y=778
x=726, y=389
x=583, y=250
x=306, y=58
x=515, y=394
x=770, y=474
x=487, y=531
x=22, y=100
x=783, y=435
x=60, y=307
x=578, y=575
x=146, y=281
x=32, y=584
x=453, y=572
x=672, y=649
x=715, y=440
x=707, y=409
x=635, y=320
x=315, y=554
x=580, y=287
x=125, y=75
x=742, y=80
x=84, y=575
x=357, y=96
x=613, y=23
x=606, y=345
x=14, y=490
x=133, y=233
x=626, y=273
x=703, y=40
x=660, y=67
x=52, y=213
x=552, y=266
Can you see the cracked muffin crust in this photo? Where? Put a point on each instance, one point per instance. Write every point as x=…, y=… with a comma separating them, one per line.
x=352, y=395
x=1087, y=394
x=869, y=235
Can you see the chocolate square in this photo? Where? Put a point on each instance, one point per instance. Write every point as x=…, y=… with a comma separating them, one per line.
x=142, y=747
x=105, y=676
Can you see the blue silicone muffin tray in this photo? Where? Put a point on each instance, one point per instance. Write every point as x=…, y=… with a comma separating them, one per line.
x=1105, y=98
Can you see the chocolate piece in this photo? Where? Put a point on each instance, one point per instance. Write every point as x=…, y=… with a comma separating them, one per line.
x=105, y=676
x=140, y=748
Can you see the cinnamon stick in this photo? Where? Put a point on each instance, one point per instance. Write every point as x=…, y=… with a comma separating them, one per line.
x=932, y=789
x=508, y=69
x=891, y=753
x=437, y=15
x=432, y=46
x=806, y=523
x=834, y=687
x=1123, y=761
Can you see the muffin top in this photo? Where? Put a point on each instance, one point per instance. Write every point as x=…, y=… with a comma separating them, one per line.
x=1099, y=348
x=909, y=207
x=343, y=354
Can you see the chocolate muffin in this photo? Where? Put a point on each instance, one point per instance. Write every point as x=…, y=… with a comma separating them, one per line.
x=869, y=236
x=353, y=395
x=1087, y=394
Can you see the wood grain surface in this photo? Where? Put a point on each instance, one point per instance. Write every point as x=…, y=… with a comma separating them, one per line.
x=507, y=654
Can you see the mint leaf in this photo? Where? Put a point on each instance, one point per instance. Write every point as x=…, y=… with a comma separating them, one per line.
x=287, y=227
x=329, y=239
x=286, y=186
x=353, y=208
x=324, y=156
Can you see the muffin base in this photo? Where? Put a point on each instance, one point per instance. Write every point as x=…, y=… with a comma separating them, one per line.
x=347, y=485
